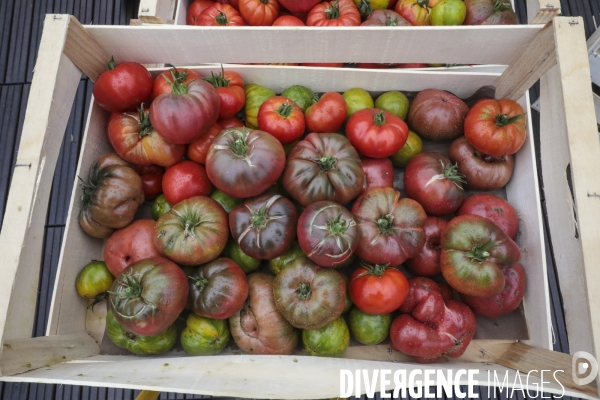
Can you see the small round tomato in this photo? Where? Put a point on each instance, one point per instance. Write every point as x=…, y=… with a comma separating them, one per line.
x=220, y=15
x=334, y=13
x=151, y=176
x=448, y=12
x=139, y=344
x=233, y=122
x=326, y=115
x=494, y=208
x=255, y=96
x=301, y=95
x=230, y=87
x=198, y=149
x=243, y=260
x=184, y=180
x=205, y=336
x=278, y=263
x=332, y=340
x=282, y=118
x=195, y=9
x=357, y=99
x=94, y=281
x=378, y=289
x=259, y=12
x=393, y=102
x=160, y=205
x=288, y=20
x=367, y=328
x=376, y=133
x=123, y=87
x=417, y=12
x=163, y=84
x=412, y=147
x=226, y=201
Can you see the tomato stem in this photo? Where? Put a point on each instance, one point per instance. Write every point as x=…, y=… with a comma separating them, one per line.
x=285, y=109
x=364, y=8
x=221, y=19
x=379, y=118
x=377, y=270
x=99, y=298
x=145, y=125
x=326, y=163
x=480, y=252
x=500, y=5
x=217, y=80
x=264, y=1
x=189, y=227
x=111, y=64
x=177, y=86
x=391, y=22
x=385, y=224
x=259, y=218
x=304, y=292
x=503, y=119
x=238, y=146
x=201, y=282
x=451, y=173
x=339, y=226
x=133, y=289
x=422, y=3
x=334, y=11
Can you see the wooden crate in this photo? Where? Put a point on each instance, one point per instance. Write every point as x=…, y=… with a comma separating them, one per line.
x=70, y=353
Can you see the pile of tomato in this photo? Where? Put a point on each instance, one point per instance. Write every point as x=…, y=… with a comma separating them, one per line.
x=287, y=225
x=350, y=12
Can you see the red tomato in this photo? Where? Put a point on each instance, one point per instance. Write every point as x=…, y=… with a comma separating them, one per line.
x=379, y=172
x=232, y=122
x=299, y=6
x=427, y=261
x=328, y=114
x=378, y=289
x=411, y=65
x=230, y=87
x=259, y=12
x=496, y=127
x=334, y=13
x=288, y=20
x=220, y=15
x=198, y=149
x=282, y=118
x=374, y=65
x=195, y=9
x=151, y=179
x=179, y=75
x=494, y=208
x=415, y=11
x=324, y=65
x=376, y=133
x=184, y=180
x=123, y=87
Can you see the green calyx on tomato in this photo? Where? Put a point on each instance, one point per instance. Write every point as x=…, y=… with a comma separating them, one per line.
x=304, y=292
x=376, y=270
x=178, y=76
x=177, y=85
x=238, y=145
x=200, y=282
x=391, y=22
x=503, y=119
x=132, y=291
x=111, y=64
x=217, y=80
x=500, y=5
x=421, y=3
x=451, y=173
x=145, y=125
x=221, y=19
x=285, y=110
x=364, y=8
x=480, y=252
x=339, y=226
x=379, y=118
x=326, y=163
x=334, y=11
x=385, y=224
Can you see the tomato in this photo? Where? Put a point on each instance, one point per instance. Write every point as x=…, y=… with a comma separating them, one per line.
x=195, y=9
x=474, y=251
x=412, y=65
x=327, y=114
x=390, y=229
x=94, y=281
x=437, y=115
x=129, y=245
x=193, y=232
x=282, y=118
x=332, y=340
x=348, y=303
x=111, y=196
x=323, y=167
x=227, y=202
x=264, y=226
x=255, y=96
x=123, y=87
x=160, y=205
x=288, y=20
x=259, y=12
x=243, y=260
x=205, y=336
x=198, y=149
x=218, y=289
x=233, y=122
x=435, y=183
x=184, y=180
x=494, y=208
x=334, y=13
x=230, y=87
x=299, y=6
x=301, y=95
x=367, y=328
x=427, y=261
x=324, y=65
x=376, y=133
x=490, y=12
x=148, y=296
x=378, y=289
x=357, y=99
x=496, y=127
x=278, y=263
x=327, y=233
x=258, y=328
x=416, y=12
x=385, y=18
x=163, y=84
x=151, y=176
x=186, y=114
x=412, y=147
x=393, y=102
x=220, y=15
x=367, y=7
x=379, y=172
x=448, y=12
x=142, y=345
x=507, y=301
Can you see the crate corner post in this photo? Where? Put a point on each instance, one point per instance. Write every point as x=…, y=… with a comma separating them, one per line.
x=157, y=11
x=542, y=11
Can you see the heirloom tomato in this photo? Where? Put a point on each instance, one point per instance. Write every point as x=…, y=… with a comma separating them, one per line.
x=230, y=87
x=416, y=12
x=448, y=13
x=379, y=172
x=327, y=114
x=385, y=18
x=299, y=6
x=94, y=281
x=205, y=336
x=376, y=133
x=412, y=147
x=142, y=345
x=164, y=83
x=195, y=9
x=494, y=208
x=378, y=289
x=437, y=115
x=198, y=149
x=233, y=122
x=278, y=263
x=282, y=118
x=302, y=96
x=334, y=13
x=220, y=15
x=255, y=96
x=427, y=261
x=151, y=176
x=393, y=102
x=123, y=87
x=367, y=328
x=226, y=201
x=184, y=180
x=332, y=340
x=288, y=20
x=160, y=205
x=259, y=12
x=243, y=260
x=357, y=99
x=490, y=12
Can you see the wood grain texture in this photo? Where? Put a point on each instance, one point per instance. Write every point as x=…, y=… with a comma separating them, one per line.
x=83, y=50
x=542, y=11
x=156, y=11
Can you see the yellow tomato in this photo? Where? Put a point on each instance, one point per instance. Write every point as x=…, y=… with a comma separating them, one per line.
x=375, y=4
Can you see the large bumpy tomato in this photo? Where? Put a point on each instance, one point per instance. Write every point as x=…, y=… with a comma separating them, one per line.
x=474, y=251
x=230, y=87
x=220, y=15
x=123, y=87
x=198, y=149
x=494, y=208
x=282, y=118
x=427, y=260
x=385, y=18
x=255, y=96
x=327, y=114
x=265, y=226
x=417, y=12
x=378, y=289
x=327, y=233
x=490, y=12
x=134, y=139
x=379, y=172
x=430, y=179
x=308, y=296
x=334, y=13
x=437, y=115
x=288, y=20
x=244, y=163
x=138, y=344
x=195, y=9
x=148, y=296
x=111, y=196
x=496, y=127
x=323, y=167
x=218, y=289
x=299, y=6
x=187, y=113
x=376, y=133
x=193, y=232
x=184, y=180
x=259, y=12
x=163, y=84
x=390, y=228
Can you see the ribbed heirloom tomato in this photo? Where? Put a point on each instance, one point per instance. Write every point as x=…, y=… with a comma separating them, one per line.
x=282, y=118
x=376, y=133
x=220, y=15
x=162, y=84
x=327, y=114
x=378, y=289
x=195, y=9
x=334, y=13
x=230, y=87
x=259, y=12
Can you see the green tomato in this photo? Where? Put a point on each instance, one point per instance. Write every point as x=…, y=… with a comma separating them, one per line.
x=94, y=281
x=255, y=96
x=235, y=252
x=448, y=13
x=278, y=263
x=412, y=147
x=140, y=345
x=160, y=206
x=357, y=99
x=393, y=102
x=205, y=336
x=367, y=328
x=226, y=201
x=349, y=303
x=332, y=340
x=301, y=95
